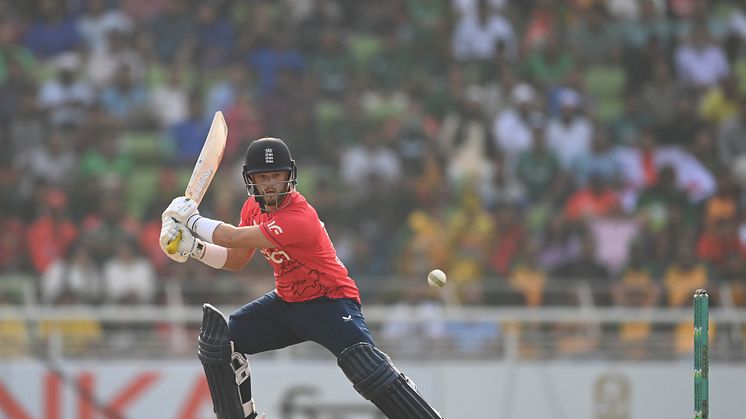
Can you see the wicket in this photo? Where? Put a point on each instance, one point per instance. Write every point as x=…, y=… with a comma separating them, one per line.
x=701, y=361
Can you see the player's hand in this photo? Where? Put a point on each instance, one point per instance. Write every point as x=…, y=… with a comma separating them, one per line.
x=169, y=231
x=188, y=244
x=183, y=210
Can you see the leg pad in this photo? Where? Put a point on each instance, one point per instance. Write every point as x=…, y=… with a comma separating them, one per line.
x=227, y=371
x=376, y=378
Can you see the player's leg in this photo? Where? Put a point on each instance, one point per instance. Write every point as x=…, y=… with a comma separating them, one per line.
x=376, y=378
x=227, y=371
x=221, y=347
x=340, y=326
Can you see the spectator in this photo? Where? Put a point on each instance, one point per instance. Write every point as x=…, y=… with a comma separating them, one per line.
x=108, y=227
x=215, y=37
x=731, y=137
x=52, y=233
x=106, y=160
x=638, y=289
x=95, y=24
x=626, y=129
x=549, y=63
x=13, y=257
x=369, y=158
x=718, y=242
x=537, y=168
x=509, y=235
x=188, y=136
x=599, y=161
x=683, y=275
x=125, y=99
x=585, y=268
x=569, y=134
x=658, y=200
x=172, y=32
x=560, y=243
x=102, y=65
x=477, y=34
x=72, y=273
x=659, y=96
x=14, y=54
x=700, y=62
x=128, y=277
x=274, y=55
x=720, y=102
x=723, y=205
x=528, y=277
x=52, y=32
x=468, y=232
x=66, y=97
x=169, y=102
x=467, y=139
x=597, y=199
x=54, y=164
x=513, y=126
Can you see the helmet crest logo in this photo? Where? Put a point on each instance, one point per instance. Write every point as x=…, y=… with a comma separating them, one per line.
x=269, y=156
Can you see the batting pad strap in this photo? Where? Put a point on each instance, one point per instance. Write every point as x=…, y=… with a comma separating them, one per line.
x=212, y=255
x=202, y=226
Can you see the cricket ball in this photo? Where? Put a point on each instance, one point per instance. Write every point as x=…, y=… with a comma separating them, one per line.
x=436, y=278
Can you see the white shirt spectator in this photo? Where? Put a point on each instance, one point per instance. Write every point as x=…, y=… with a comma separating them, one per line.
x=466, y=7
x=512, y=128
x=78, y=276
x=701, y=66
x=170, y=101
x=569, y=140
x=94, y=27
x=512, y=133
x=129, y=278
x=56, y=164
x=65, y=96
x=474, y=41
x=361, y=162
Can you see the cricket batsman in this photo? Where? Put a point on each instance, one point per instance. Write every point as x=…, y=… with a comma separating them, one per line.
x=314, y=299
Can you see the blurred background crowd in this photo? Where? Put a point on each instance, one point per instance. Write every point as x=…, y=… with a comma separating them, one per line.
x=520, y=146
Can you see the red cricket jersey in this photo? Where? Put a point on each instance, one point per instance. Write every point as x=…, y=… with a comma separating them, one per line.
x=304, y=261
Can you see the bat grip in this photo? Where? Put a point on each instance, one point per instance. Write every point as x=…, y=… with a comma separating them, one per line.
x=173, y=245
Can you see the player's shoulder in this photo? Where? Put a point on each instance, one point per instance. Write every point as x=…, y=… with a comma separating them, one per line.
x=250, y=208
x=298, y=206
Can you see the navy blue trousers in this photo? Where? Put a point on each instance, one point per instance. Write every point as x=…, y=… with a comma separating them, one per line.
x=270, y=323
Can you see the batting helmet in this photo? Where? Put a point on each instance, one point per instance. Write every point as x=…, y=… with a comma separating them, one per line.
x=268, y=155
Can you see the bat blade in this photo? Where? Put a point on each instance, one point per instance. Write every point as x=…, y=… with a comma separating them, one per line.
x=208, y=160
x=207, y=164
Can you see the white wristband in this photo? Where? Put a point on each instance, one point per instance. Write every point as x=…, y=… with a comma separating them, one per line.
x=210, y=254
x=203, y=227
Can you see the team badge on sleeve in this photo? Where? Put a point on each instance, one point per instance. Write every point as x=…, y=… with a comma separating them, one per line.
x=274, y=228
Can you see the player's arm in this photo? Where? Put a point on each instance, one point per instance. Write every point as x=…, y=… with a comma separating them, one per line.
x=185, y=211
x=238, y=258
x=230, y=236
x=213, y=255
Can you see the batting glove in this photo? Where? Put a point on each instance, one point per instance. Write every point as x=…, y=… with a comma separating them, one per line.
x=188, y=244
x=183, y=210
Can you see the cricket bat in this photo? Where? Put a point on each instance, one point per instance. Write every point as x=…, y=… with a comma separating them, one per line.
x=205, y=168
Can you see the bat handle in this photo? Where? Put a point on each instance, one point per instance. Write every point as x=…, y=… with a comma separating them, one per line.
x=173, y=245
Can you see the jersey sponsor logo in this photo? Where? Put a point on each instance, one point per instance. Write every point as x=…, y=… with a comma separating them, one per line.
x=273, y=227
x=276, y=256
x=269, y=156
x=347, y=318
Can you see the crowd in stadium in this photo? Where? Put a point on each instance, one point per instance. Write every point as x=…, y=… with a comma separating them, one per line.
x=516, y=143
